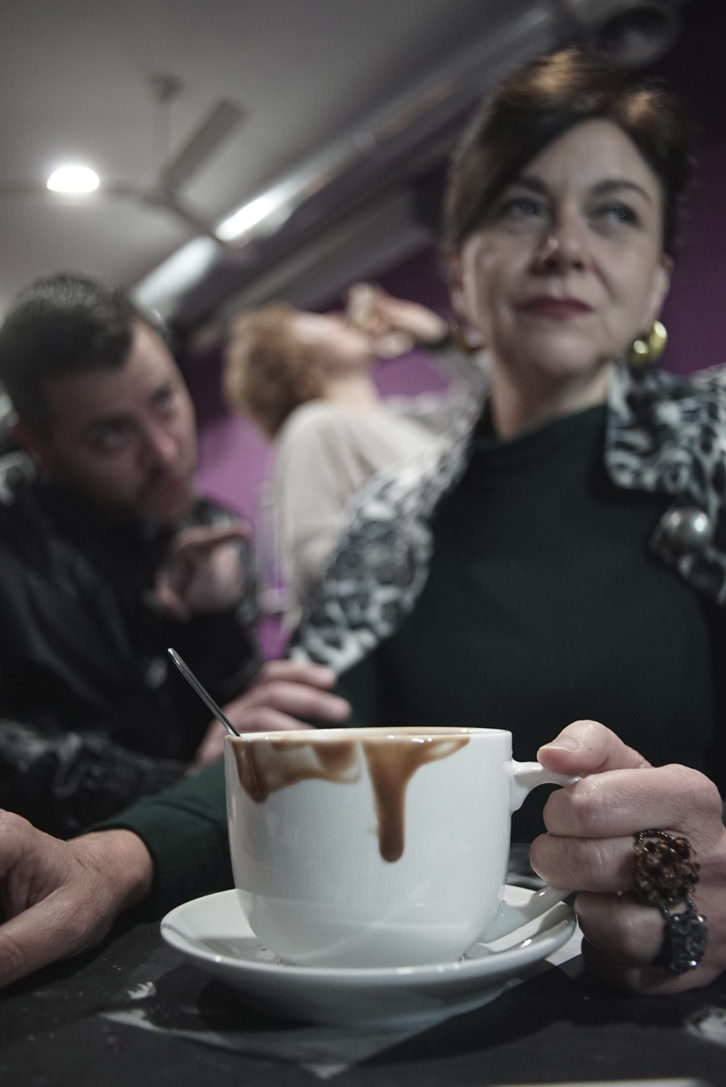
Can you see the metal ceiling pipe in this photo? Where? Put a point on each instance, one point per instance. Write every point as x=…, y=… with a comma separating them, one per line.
x=429, y=109
x=528, y=27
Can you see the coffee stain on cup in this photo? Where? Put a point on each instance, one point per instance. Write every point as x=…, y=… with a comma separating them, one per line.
x=391, y=767
x=265, y=766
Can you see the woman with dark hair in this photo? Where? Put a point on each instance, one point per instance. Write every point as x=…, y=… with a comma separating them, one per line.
x=564, y=559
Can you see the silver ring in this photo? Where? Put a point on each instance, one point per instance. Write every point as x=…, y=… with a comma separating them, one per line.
x=684, y=940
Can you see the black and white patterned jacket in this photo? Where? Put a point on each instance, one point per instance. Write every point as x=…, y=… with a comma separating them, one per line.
x=665, y=434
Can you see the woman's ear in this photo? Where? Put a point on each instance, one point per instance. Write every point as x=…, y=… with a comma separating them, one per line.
x=660, y=286
x=466, y=337
x=456, y=287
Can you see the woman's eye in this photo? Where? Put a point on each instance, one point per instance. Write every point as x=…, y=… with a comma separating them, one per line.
x=521, y=207
x=616, y=213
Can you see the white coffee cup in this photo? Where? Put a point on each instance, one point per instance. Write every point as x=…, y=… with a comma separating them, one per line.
x=373, y=847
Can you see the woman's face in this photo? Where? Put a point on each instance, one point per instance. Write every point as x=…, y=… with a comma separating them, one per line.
x=337, y=344
x=568, y=269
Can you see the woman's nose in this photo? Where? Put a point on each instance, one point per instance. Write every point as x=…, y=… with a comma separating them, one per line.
x=560, y=248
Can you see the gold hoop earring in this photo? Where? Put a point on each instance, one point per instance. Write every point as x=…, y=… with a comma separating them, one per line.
x=648, y=348
x=461, y=341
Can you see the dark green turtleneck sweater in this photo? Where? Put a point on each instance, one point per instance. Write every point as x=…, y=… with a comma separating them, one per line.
x=543, y=605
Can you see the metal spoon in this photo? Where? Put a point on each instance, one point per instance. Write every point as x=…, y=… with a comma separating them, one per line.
x=202, y=692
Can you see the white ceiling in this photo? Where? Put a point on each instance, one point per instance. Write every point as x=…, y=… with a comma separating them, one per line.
x=75, y=81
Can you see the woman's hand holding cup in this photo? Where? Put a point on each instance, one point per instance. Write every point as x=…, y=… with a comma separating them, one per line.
x=590, y=847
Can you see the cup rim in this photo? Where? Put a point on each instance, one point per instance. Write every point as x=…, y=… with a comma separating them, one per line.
x=378, y=733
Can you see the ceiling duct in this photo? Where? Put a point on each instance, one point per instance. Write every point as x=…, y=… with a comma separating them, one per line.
x=370, y=157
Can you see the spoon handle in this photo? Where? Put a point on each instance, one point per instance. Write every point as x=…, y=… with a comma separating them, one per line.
x=202, y=692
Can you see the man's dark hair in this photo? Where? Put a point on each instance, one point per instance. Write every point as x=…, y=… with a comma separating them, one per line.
x=62, y=324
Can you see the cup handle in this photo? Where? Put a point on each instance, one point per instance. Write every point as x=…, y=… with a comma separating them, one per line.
x=526, y=776
x=543, y=900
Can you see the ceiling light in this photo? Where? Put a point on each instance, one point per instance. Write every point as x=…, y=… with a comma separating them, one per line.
x=246, y=217
x=631, y=33
x=639, y=34
x=179, y=272
x=73, y=178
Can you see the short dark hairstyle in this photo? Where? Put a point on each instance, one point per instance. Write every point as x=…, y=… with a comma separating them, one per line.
x=62, y=324
x=537, y=105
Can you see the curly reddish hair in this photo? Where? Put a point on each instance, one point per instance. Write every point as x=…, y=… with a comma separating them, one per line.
x=268, y=372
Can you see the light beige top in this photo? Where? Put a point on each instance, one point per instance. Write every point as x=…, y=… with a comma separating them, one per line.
x=325, y=453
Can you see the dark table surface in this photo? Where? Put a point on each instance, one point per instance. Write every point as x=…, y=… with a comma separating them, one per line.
x=137, y=1013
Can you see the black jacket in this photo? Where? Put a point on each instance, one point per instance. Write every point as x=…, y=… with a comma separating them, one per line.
x=92, y=714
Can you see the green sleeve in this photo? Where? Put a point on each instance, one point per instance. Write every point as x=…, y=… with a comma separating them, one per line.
x=185, y=830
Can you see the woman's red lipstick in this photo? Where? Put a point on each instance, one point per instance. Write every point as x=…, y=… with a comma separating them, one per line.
x=545, y=305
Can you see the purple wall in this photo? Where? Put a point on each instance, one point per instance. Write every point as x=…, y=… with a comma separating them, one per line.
x=695, y=312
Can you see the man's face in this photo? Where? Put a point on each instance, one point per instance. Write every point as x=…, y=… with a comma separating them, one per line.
x=125, y=438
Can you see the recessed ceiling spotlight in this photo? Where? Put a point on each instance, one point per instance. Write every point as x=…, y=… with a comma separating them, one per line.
x=631, y=33
x=73, y=178
x=636, y=34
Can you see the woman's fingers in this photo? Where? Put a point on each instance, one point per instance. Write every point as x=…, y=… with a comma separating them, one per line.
x=622, y=938
x=621, y=802
x=631, y=933
x=599, y=865
x=589, y=844
x=587, y=747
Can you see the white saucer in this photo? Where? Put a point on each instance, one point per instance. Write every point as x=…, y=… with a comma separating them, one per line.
x=213, y=932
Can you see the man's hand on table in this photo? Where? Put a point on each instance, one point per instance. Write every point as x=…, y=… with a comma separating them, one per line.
x=58, y=898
